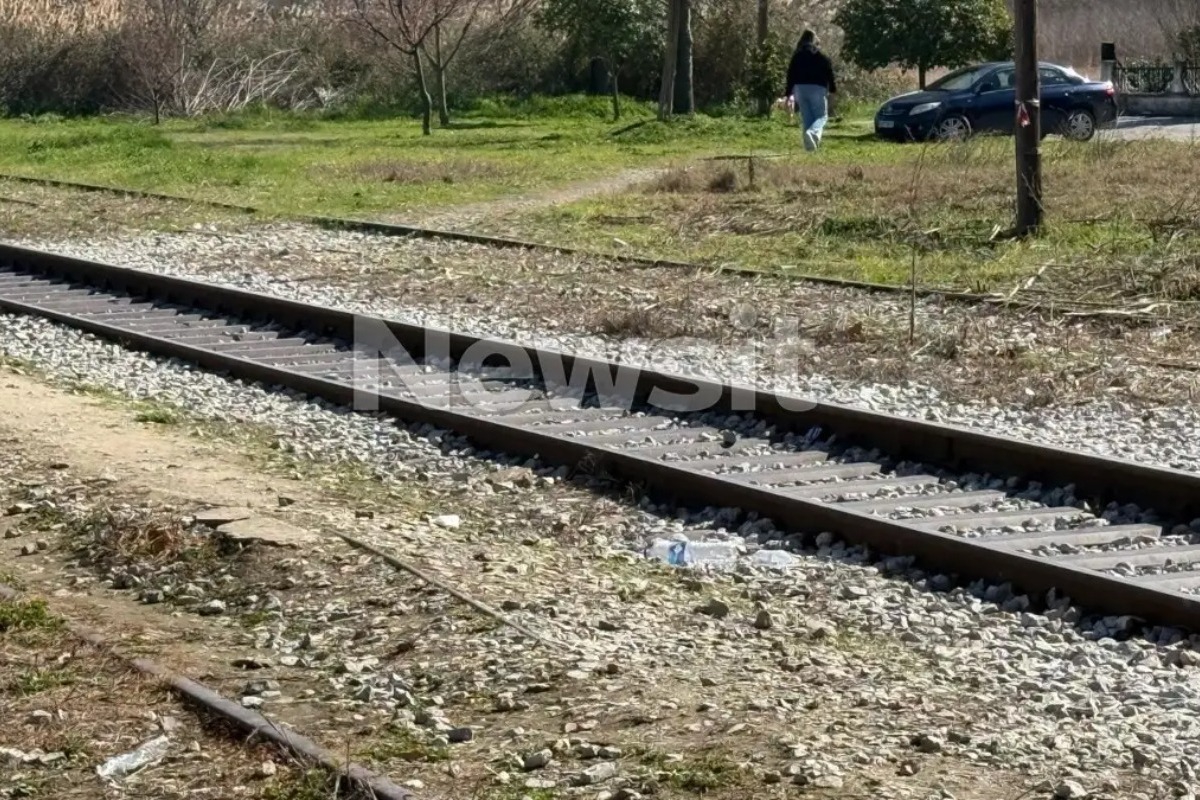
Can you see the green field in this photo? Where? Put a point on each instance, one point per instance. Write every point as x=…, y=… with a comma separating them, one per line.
x=290, y=164
x=1124, y=221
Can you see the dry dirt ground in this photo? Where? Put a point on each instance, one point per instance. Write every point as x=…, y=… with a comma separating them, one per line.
x=108, y=498
x=69, y=708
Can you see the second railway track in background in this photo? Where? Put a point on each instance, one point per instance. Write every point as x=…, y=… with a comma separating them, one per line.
x=415, y=231
x=1111, y=535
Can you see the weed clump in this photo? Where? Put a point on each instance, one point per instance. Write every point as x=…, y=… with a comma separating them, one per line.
x=27, y=615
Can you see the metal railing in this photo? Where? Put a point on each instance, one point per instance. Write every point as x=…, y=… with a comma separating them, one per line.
x=1191, y=78
x=1144, y=79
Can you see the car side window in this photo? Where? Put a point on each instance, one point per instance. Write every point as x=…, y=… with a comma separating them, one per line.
x=1051, y=77
x=999, y=80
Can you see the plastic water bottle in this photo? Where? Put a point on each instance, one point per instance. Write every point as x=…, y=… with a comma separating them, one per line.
x=776, y=559
x=682, y=553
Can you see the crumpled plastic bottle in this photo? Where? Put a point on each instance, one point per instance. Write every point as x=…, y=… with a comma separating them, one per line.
x=147, y=753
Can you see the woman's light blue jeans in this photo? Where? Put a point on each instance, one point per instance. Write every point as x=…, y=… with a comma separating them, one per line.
x=812, y=104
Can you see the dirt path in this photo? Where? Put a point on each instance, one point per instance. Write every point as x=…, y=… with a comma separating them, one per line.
x=465, y=217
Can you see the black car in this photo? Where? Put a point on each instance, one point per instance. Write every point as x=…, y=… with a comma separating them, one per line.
x=982, y=99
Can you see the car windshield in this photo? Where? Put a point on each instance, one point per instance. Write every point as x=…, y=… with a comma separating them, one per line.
x=958, y=81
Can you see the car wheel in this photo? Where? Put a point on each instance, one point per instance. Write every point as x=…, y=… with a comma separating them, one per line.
x=952, y=129
x=1079, y=126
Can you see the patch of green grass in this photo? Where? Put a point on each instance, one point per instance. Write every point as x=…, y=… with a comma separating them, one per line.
x=158, y=415
x=515, y=792
x=35, y=681
x=12, y=362
x=74, y=745
x=27, y=615
x=253, y=619
x=296, y=164
x=43, y=517
x=400, y=744
x=97, y=392
x=11, y=580
x=313, y=784
x=150, y=412
x=696, y=774
x=702, y=774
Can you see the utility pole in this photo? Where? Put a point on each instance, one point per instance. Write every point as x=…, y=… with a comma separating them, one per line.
x=1028, y=128
x=666, y=95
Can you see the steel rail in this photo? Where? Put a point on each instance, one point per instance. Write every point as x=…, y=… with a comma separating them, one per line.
x=253, y=723
x=803, y=509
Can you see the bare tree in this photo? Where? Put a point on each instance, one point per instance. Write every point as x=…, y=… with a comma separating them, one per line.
x=155, y=51
x=198, y=56
x=408, y=26
x=491, y=18
x=162, y=39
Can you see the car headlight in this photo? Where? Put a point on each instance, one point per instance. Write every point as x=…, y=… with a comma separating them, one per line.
x=923, y=108
x=885, y=110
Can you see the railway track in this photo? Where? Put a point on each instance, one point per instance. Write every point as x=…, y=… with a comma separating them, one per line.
x=1109, y=534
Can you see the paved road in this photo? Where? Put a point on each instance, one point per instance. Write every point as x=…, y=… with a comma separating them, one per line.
x=1176, y=128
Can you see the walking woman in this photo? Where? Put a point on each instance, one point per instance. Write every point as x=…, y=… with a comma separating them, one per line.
x=810, y=82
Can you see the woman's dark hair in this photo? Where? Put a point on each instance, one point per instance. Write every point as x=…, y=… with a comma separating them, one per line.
x=808, y=37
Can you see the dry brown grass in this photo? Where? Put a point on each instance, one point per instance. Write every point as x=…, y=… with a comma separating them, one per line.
x=638, y=323
x=1123, y=219
x=134, y=535
x=55, y=16
x=411, y=173
x=968, y=185
x=90, y=16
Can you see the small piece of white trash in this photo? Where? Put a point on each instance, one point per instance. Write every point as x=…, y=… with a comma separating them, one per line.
x=16, y=756
x=35, y=756
x=148, y=753
x=448, y=521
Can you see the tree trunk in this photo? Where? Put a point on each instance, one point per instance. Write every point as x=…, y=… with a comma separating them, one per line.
x=685, y=97
x=921, y=75
x=423, y=90
x=616, y=91
x=764, y=103
x=439, y=77
x=666, y=92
